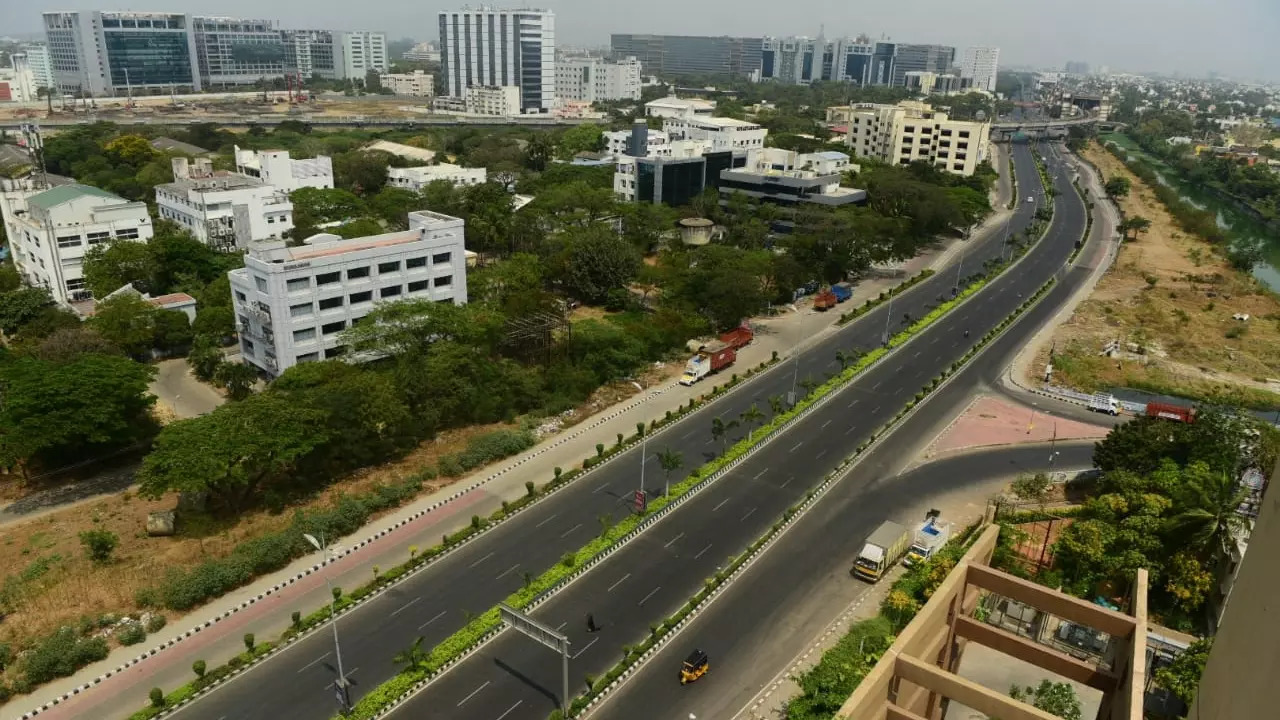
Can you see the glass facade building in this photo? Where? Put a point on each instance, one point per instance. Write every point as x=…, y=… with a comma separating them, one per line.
x=690, y=54
x=142, y=58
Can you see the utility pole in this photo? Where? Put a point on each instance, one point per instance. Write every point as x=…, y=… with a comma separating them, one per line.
x=344, y=693
x=884, y=339
x=128, y=88
x=644, y=452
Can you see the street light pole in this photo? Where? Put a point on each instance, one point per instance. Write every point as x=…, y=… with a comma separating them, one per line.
x=884, y=340
x=644, y=452
x=344, y=698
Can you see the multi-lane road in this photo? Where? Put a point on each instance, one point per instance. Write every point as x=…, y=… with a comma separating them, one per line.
x=660, y=571
x=514, y=678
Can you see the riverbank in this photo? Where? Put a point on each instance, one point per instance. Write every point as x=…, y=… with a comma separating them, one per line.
x=1171, y=301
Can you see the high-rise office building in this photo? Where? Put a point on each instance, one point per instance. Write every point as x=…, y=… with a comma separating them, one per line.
x=38, y=63
x=235, y=51
x=980, y=64
x=310, y=53
x=921, y=58
x=667, y=55
x=496, y=48
x=913, y=131
x=589, y=79
x=111, y=53
x=359, y=53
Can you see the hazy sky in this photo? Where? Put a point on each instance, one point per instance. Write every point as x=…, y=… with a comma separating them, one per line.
x=1232, y=37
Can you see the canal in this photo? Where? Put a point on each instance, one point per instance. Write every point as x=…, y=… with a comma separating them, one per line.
x=1242, y=227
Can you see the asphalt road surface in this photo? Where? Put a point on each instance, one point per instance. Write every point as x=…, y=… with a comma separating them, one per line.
x=750, y=631
x=514, y=678
x=297, y=683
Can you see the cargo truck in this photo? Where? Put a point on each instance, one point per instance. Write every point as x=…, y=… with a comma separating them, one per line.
x=881, y=551
x=824, y=300
x=1104, y=403
x=738, y=337
x=1171, y=412
x=713, y=357
x=842, y=291
x=930, y=537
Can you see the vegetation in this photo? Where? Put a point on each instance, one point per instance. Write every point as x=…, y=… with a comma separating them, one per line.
x=1056, y=698
x=1182, y=676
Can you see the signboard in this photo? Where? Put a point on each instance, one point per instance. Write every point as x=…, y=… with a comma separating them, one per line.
x=641, y=501
x=528, y=626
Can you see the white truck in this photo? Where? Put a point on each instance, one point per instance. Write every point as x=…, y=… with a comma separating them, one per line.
x=1104, y=403
x=932, y=534
x=881, y=551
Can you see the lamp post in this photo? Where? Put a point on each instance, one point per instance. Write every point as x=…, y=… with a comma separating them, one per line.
x=344, y=696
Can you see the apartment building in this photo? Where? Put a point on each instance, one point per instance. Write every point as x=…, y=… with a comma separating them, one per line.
x=501, y=100
x=501, y=48
x=719, y=133
x=911, y=131
x=416, y=178
x=667, y=55
x=277, y=169
x=227, y=211
x=358, y=53
x=114, y=53
x=292, y=303
x=787, y=177
x=980, y=64
x=51, y=230
x=38, y=62
x=416, y=83
x=593, y=79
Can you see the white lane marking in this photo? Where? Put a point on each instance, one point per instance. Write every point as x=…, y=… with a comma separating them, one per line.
x=473, y=693
x=855, y=402
x=702, y=551
x=620, y=581
x=744, y=517
x=688, y=434
x=507, y=571
x=672, y=540
x=916, y=355
x=820, y=454
x=510, y=709
x=313, y=662
x=722, y=502
x=645, y=599
x=584, y=648
x=486, y=557
x=437, y=617
x=544, y=522
x=404, y=606
x=825, y=424
x=796, y=446
x=851, y=429
x=757, y=477
x=877, y=385
x=601, y=488
x=566, y=532
x=875, y=410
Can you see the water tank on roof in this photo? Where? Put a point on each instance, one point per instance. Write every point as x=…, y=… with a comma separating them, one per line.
x=696, y=231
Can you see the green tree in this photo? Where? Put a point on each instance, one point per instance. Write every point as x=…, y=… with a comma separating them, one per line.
x=99, y=544
x=1207, y=518
x=10, y=280
x=393, y=205
x=671, y=461
x=1056, y=698
x=720, y=432
x=1182, y=676
x=580, y=138
x=411, y=657
x=539, y=152
x=1136, y=225
x=752, y=417
x=204, y=356
x=360, y=171
x=21, y=306
x=1188, y=582
x=173, y=331
x=313, y=206
x=218, y=321
x=1033, y=487
x=237, y=378
x=596, y=261
x=361, y=227
x=1117, y=186
x=127, y=321
x=776, y=405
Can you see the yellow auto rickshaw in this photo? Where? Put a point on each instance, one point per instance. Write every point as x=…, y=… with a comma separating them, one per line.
x=695, y=666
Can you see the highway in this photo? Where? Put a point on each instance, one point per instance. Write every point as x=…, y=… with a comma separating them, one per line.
x=774, y=611
x=515, y=679
x=436, y=602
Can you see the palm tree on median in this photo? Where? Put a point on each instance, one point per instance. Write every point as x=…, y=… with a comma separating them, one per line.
x=720, y=431
x=411, y=657
x=776, y=405
x=671, y=461
x=751, y=417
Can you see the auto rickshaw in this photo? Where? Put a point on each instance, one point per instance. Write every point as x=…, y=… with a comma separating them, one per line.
x=695, y=666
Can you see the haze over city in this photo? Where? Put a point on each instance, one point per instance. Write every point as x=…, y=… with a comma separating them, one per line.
x=1189, y=37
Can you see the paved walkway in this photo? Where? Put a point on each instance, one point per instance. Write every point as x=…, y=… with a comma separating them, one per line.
x=991, y=420
x=275, y=596
x=181, y=393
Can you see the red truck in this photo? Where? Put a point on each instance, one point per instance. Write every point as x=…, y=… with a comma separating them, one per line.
x=712, y=358
x=1171, y=412
x=824, y=300
x=738, y=337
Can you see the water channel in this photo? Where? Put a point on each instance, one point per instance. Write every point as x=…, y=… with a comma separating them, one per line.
x=1241, y=226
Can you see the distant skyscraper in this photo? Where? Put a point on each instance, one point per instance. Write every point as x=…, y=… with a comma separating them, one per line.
x=39, y=63
x=921, y=58
x=668, y=55
x=235, y=51
x=1077, y=68
x=496, y=48
x=980, y=64
x=358, y=53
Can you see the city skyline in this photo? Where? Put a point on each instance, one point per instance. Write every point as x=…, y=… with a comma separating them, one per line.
x=1134, y=39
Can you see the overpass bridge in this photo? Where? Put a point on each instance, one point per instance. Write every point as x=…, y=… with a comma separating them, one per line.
x=1046, y=128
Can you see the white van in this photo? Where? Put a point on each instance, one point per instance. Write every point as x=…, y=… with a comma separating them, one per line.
x=1104, y=403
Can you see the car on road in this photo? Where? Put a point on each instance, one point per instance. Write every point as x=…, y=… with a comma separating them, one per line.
x=1031, y=198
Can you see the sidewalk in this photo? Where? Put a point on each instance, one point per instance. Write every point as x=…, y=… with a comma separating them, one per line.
x=214, y=633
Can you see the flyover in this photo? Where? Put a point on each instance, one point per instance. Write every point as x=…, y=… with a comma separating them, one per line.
x=439, y=600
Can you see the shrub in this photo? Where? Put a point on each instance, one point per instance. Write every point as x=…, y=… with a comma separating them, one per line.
x=60, y=654
x=248, y=641
x=147, y=597
x=157, y=697
x=155, y=623
x=99, y=544
x=198, y=667
x=295, y=619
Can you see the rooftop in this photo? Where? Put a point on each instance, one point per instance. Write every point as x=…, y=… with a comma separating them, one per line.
x=218, y=181
x=723, y=122
x=167, y=144
x=66, y=193
x=405, y=151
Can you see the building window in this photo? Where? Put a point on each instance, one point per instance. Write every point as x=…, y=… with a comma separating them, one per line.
x=958, y=167
x=442, y=281
x=357, y=273
x=334, y=352
x=441, y=258
x=361, y=297
x=261, y=283
x=309, y=357
x=298, y=284
x=964, y=133
x=390, y=291
x=67, y=241
x=388, y=267
x=963, y=145
x=240, y=296
x=98, y=237
x=328, y=278
x=416, y=262
x=304, y=335
x=76, y=284
x=247, y=344
x=331, y=303
x=417, y=285
x=127, y=234
x=301, y=310
x=333, y=327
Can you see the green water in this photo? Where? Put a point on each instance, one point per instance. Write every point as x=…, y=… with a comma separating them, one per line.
x=1241, y=226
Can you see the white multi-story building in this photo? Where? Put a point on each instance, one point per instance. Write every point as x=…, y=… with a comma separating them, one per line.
x=674, y=107
x=51, y=230
x=497, y=48
x=292, y=303
x=310, y=53
x=37, y=58
x=422, y=52
x=493, y=100
x=357, y=53
x=416, y=83
x=416, y=178
x=981, y=64
x=618, y=142
x=224, y=210
x=592, y=79
x=911, y=131
x=277, y=169
x=719, y=133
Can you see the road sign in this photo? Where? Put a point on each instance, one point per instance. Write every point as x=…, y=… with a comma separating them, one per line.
x=641, y=501
x=545, y=635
